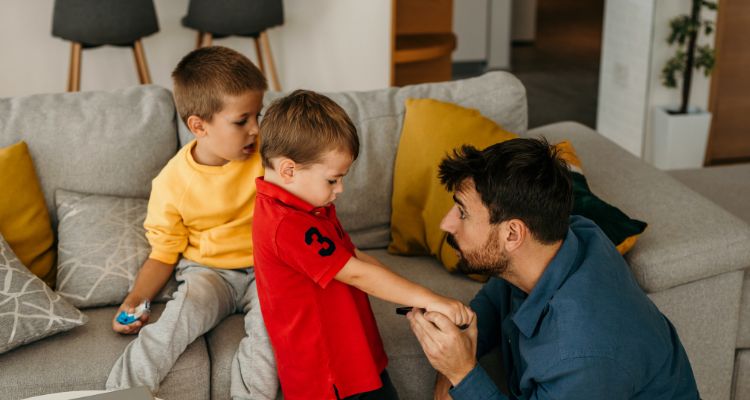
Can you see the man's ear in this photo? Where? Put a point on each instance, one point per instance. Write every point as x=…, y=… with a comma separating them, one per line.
x=197, y=125
x=286, y=168
x=516, y=232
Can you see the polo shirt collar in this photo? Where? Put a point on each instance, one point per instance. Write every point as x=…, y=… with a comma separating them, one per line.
x=564, y=263
x=276, y=192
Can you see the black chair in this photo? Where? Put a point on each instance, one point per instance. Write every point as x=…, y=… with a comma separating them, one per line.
x=248, y=18
x=93, y=23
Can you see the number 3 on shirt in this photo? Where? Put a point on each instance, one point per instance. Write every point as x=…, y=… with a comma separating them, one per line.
x=327, y=247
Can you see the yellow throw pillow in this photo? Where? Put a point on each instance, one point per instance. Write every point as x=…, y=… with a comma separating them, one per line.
x=24, y=220
x=431, y=130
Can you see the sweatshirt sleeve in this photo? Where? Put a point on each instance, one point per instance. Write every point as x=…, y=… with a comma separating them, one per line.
x=165, y=230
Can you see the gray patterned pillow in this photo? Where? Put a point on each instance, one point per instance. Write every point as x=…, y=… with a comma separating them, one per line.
x=101, y=246
x=29, y=309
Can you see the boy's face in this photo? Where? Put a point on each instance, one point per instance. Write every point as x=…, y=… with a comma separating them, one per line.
x=319, y=183
x=232, y=133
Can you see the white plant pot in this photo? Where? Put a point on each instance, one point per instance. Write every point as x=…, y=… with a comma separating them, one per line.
x=679, y=140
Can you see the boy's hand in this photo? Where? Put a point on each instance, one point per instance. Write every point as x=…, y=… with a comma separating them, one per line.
x=129, y=329
x=460, y=314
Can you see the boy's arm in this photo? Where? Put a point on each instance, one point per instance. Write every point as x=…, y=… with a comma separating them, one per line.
x=376, y=280
x=367, y=258
x=150, y=280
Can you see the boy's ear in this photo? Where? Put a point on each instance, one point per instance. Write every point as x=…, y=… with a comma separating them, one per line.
x=286, y=169
x=196, y=125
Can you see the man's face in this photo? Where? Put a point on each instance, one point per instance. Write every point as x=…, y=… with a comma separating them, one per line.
x=478, y=242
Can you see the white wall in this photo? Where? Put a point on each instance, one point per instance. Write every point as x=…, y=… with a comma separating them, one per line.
x=483, y=31
x=624, y=72
x=470, y=26
x=634, y=50
x=326, y=45
x=498, y=48
x=524, y=21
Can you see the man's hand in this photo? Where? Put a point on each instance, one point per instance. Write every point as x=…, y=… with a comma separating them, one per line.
x=129, y=329
x=451, y=352
x=454, y=310
x=442, y=386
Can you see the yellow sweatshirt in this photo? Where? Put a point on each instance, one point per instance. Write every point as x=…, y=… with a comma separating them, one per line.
x=204, y=212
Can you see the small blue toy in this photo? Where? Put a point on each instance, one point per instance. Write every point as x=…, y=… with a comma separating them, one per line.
x=126, y=318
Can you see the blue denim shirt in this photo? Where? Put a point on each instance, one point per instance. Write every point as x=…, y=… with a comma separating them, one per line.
x=586, y=331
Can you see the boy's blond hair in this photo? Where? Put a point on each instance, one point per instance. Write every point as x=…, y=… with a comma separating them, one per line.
x=204, y=76
x=303, y=126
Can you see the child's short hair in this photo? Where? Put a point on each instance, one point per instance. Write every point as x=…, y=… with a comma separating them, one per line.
x=303, y=126
x=204, y=76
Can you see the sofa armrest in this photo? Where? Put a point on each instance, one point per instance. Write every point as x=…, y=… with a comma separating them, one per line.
x=689, y=237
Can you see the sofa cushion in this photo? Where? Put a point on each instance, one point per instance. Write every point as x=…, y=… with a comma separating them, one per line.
x=223, y=342
x=431, y=130
x=365, y=206
x=82, y=358
x=24, y=220
x=742, y=376
x=689, y=237
x=29, y=309
x=622, y=230
x=743, y=334
x=94, y=142
x=102, y=246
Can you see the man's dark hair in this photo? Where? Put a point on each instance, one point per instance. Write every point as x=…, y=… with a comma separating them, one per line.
x=519, y=178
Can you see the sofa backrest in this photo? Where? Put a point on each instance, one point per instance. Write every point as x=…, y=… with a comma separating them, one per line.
x=94, y=142
x=365, y=206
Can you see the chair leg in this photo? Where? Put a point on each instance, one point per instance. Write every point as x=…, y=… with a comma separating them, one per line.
x=74, y=74
x=260, y=56
x=271, y=66
x=204, y=39
x=199, y=40
x=140, y=63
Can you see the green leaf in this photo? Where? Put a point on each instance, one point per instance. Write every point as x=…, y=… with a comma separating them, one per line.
x=673, y=69
x=711, y=5
x=680, y=29
x=708, y=27
x=705, y=59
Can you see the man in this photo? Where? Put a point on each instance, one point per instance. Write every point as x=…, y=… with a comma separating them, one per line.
x=570, y=320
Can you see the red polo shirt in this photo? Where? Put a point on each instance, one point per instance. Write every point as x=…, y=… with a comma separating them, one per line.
x=323, y=331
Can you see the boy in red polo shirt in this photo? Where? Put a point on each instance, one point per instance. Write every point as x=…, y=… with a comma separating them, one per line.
x=312, y=281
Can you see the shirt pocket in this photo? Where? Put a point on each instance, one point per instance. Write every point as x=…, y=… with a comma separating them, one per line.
x=223, y=240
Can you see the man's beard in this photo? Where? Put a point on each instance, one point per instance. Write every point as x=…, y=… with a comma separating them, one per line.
x=490, y=259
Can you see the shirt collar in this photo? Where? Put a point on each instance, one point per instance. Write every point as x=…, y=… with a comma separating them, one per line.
x=564, y=263
x=276, y=192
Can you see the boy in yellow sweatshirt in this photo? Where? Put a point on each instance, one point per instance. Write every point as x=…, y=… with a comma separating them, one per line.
x=199, y=224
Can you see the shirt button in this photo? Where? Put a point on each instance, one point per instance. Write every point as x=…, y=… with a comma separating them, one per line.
x=317, y=212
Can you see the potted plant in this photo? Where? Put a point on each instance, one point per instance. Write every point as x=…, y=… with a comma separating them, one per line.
x=681, y=133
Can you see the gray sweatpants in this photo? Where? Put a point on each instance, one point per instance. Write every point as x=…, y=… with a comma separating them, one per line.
x=203, y=298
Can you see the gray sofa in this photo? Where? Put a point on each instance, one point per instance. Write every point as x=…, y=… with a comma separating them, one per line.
x=690, y=260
